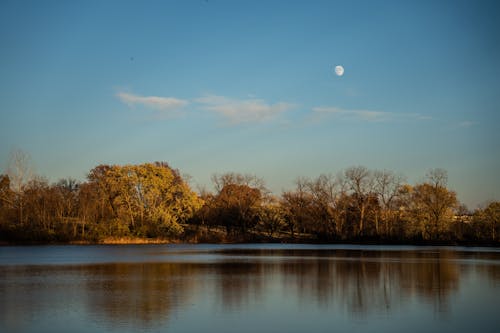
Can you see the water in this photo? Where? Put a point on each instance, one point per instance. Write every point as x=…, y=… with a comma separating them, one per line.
x=249, y=288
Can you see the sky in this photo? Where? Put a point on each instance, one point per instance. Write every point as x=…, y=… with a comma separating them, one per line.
x=249, y=86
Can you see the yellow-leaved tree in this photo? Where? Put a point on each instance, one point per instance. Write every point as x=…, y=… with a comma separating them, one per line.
x=149, y=199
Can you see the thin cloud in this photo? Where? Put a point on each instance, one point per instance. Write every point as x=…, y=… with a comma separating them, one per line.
x=467, y=123
x=243, y=110
x=419, y=116
x=365, y=115
x=153, y=102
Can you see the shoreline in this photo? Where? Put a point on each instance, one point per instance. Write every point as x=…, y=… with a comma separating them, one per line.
x=163, y=241
x=123, y=240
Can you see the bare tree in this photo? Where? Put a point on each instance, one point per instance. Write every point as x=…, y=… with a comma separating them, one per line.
x=20, y=173
x=324, y=195
x=221, y=180
x=437, y=177
x=360, y=182
x=387, y=185
x=19, y=170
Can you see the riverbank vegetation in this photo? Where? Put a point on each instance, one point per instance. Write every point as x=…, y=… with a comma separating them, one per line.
x=152, y=203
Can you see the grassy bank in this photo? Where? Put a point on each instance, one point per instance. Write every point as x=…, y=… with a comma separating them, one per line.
x=124, y=240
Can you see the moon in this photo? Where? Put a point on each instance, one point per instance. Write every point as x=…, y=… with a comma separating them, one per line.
x=339, y=70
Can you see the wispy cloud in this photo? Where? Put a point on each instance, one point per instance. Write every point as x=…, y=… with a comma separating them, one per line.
x=467, y=123
x=365, y=115
x=419, y=116
x=153, y=102
x=243, y=110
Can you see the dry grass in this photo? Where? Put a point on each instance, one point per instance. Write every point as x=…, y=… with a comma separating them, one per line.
x=133, y=240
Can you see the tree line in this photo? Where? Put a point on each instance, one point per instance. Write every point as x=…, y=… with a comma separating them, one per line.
x=153, y=201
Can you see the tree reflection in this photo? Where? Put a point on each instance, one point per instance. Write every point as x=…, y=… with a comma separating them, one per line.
x=145, y=293
x=238, y=284
x=373, y=281
x=359, y=283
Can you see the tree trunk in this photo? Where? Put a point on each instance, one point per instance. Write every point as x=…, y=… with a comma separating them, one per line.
x=361, y=220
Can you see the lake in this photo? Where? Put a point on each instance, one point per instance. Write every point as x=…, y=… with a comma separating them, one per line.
x=249, y=288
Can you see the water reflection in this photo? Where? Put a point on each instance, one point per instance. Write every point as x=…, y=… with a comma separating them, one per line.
x=149, y=295
x=144, y=293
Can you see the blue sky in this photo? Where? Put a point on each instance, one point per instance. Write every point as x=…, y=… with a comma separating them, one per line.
x=248, y=86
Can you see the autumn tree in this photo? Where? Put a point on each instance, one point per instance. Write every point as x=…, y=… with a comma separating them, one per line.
x=6, y=194
x=204, y=216
x=5, y=191
x=164, y=198
x=98, y=179
x=271, y=217
x=152, y=195
x=236, y=202
x=237, y=207
x=7, y=198
x=153, y=200
x=432, y=204
x=488, y=219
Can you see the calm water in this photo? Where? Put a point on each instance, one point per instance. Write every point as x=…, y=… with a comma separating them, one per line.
x=249, y=288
